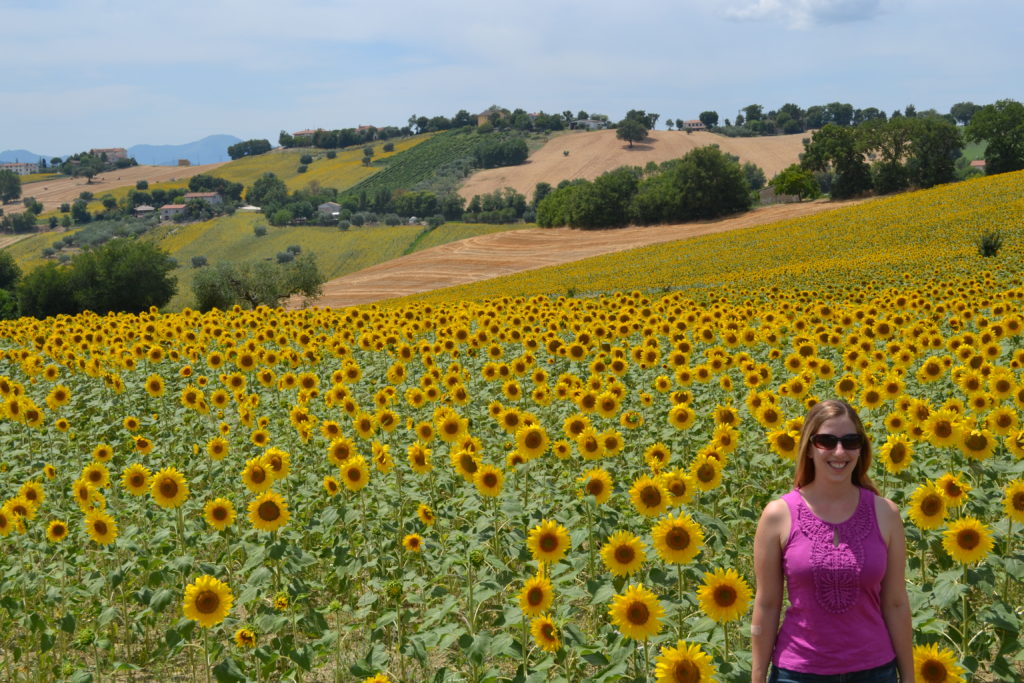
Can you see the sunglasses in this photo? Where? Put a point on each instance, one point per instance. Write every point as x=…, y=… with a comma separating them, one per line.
x=828, y=442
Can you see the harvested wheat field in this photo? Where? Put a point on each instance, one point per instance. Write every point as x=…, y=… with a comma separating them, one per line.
x=593, y=153
x=53, y=193
x=515, y=251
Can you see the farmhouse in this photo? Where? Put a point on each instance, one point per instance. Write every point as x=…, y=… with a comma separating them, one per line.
x=20, y=167
x=143, y=210
x=329, y=209
x=485, y=116
x=211, y=198
x=169, y=211
x=693, y=124
x=112, y=153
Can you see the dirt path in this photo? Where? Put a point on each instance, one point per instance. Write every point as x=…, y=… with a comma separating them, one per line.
x=53, y=193
x=489, y=256
x=592, y=153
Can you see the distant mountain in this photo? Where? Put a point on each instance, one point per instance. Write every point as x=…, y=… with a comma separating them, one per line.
x=210, y=149
x=23, y=155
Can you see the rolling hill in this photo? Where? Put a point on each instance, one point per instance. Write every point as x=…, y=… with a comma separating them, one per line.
x=592, y=153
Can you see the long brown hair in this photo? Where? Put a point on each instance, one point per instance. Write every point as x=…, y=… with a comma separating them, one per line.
x=821, y=412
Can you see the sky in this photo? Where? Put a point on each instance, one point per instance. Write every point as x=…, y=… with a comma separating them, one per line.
x=110, y=73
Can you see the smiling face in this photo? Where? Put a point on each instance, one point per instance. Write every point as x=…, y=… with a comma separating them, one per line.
x=835, y=464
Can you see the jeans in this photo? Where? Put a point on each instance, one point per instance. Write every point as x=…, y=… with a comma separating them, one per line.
x=887, y=673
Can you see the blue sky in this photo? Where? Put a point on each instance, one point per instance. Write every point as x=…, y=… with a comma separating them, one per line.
x=106, y=73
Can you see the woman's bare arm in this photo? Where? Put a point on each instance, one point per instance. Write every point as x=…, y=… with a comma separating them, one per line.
x=764, y=626
x=895, y=604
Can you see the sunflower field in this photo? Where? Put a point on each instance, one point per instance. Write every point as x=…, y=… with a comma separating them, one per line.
x=531, y=488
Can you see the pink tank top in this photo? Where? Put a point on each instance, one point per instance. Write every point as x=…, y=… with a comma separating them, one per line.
x=834, y=622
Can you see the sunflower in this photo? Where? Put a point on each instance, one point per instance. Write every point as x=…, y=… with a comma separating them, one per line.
x=623, y=554
x=245, y=638
x=896, y=453
x=32, y=491
x=934, y=665
x=376, y=678
x=657, y=456
x=574, y=425
x=927, y=506
x=56, y=531
x=419, y=458
x=331, y=485
x=684, y=663
x=413, y=543
x=706, y=472
x=954, y=489
x=545, y=633
x=649, y=496
x=637, y=613
x=219, y=513
x=101, y=527
x=678, y=539
x=155, y=385
x=381, y=456
x=596, y=483
x=217, y=448
x=488, y=480
x=681, y=416
x=977, y=444
x=1013, y=500
x=532, y=441
x=1015, y=444
x=102, y=453
x=169, y=488
x=784, y=443
x=942, y=427
x=680, y=486
x=143, y=445
x=548, y=541
x=724, y=596
x=354, y=473
x=207, y=601
x=269, y=512
x=49, y=471
x=256, y=476
x=135, y=479
x=967, y=540
x=465, y=463
x=536, y=596
x=425, y=514
x=96, y=474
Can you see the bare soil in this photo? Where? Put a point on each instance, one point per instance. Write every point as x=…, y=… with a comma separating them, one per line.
x=488, y=256
x=53, y=193
x=592, y=153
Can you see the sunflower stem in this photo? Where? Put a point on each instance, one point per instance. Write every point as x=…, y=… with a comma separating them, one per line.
x=923, y=576
x=647, y=659
x=590, y=540
x=181, y=526
x=1007, y=555
x=725, y=629
x=682, y=617
x=963, y=620
x=526, y=651
x=206, y=654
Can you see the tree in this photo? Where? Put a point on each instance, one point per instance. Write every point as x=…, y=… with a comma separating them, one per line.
x=935, y=146
x=1002, y=126
x=708, y=118
x=10, y=273
x=45, y=291
x=705, y=183
x=10, y=186
x=267, y=190
x=798, y=181
x=123, y=275
x=838, y=149
x=252, y=147
x=753, y=112
x=631, y=130
x=754, y=175
x=963, y=112
x=257, y=283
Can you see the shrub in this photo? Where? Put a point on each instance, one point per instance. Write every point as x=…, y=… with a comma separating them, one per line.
x=142, y=185
x=392, y=219
x=285, y=256
x=331, y=154
x=344, y=225
x=86, y=196
x=65, y=208
x=306, y=159
x=358, y=219
x=294, y=249
x=389, y=147
x=259, y=230
x=990, y=242
x=198, y=261
x=435, y=221
x=303, y=168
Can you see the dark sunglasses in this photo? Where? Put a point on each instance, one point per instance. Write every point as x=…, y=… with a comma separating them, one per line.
x=828, y=442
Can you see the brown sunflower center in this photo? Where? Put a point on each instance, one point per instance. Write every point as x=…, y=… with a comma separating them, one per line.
x=533, y=439
x=706, y=473
x=637, y=613
x=968, y=539
x=468, y=463
x=535, y=596
x=268, y=511
x=785, y=442
x=943, y=429
x=100, y=527
x=207, y=602
x=931, y=505
x=354, y=474
x=625, y=554
x=595, y=487
x=933, y=671
x=168, y=488
x=650, y=496
x=548, y=631
x=898, y=453
x=953, y=490
x=685, y=672
x=59, y=530
x=490, y=479
x=1018, y=501
x=548, y=543
x=977, y=442
x=725, y=596
x=220, y=513
x=677, y=538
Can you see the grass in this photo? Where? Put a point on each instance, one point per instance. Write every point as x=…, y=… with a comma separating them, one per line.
x=341, y=173
x=39, y=177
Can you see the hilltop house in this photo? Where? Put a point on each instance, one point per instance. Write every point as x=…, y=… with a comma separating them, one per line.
x=113, y=153
x=330, y=209
x=485, y=116
x=21, y=167
x=169, y=211
x=693, y=124
x=211, y=198
x=588, y=124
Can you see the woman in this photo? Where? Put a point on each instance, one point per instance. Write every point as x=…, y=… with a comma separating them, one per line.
x=841, y=551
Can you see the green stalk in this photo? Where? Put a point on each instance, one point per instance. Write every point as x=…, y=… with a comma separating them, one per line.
x=647, y=660
x=206, y=654
x=1006, y=554
x=679, y=580
x=963, y=621
x=526, y=651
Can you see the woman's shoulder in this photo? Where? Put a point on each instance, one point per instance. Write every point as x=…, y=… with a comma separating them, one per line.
x=775, y=512
x=884, y=506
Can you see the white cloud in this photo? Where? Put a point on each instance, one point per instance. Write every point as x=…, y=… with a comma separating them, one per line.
x=802, y=14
